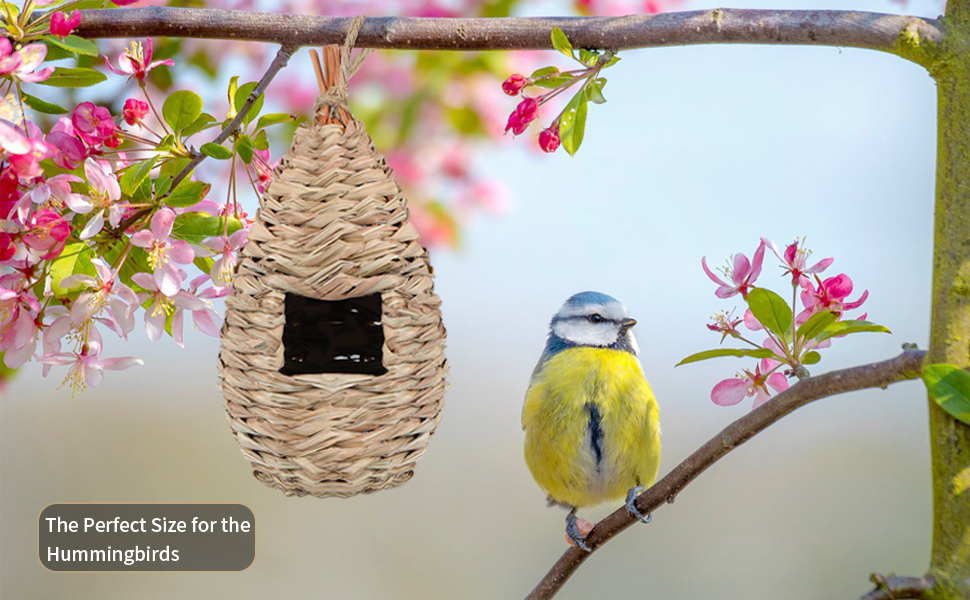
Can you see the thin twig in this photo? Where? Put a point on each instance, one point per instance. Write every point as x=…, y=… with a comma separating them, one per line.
x=854, y=29
x=905, y=366
x=282, y=57
x=899, y=588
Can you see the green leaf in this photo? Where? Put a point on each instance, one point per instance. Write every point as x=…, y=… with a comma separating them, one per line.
x=233, y=86
x=595, y=90
x=816, y=324
x=244, y=146
x=612, y=62
x=162, y=185
x=544, y=72
x=181, y=109
x=260, y=141
x=43, y=107
x=75, y=44
x=811, y=358
x=75, y=258
x=216, y=151
x=588, y=57
x=166, y=144
x=188, y=193
x=73, y=77
x=204, y=122
x=771, y=310
x=241, y=95
x=273, y=119
x=196, y=227
x=561, y=43
x=719, y=352
x=949, y=386
x=572, y=126
x=134, y=175
x=848, y=327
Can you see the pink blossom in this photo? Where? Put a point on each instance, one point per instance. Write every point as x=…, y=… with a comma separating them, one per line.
x=742, y=273
x=24, y=151
x=104, y=295
x=68, y=151
x=549, y=138
x=62, y=25
x=93, y=124
x=514, y=84
x=204, y=317
x=735, y=389
x=795, y=260
x=87, y=366
x=18, y=312
x=23, y=63
x=830, y=294
x=46, y=232
x=136, y=61
x=105, y=191
x=163, y=252
x=726, y=325
x=134, y=111
x=162, y=306
x=224, y=268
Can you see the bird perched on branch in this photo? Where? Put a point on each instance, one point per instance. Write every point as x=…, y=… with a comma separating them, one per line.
x=592, y=430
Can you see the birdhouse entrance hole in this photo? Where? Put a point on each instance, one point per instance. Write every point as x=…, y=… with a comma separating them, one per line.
x=342, y=336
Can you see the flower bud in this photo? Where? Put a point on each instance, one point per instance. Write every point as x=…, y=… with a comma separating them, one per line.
x=514, y=84
x=134, y=111
x=549, y=139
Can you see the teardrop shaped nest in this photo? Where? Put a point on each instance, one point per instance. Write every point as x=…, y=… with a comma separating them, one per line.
x=333, y=225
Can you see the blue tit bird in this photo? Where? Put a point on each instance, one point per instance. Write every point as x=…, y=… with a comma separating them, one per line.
x=592, y=429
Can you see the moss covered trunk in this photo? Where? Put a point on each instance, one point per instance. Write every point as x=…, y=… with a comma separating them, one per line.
x=950, y=329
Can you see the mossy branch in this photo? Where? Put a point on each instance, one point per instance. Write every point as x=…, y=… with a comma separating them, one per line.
x=913, y=38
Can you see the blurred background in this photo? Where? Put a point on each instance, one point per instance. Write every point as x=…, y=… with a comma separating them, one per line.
x=698, y=152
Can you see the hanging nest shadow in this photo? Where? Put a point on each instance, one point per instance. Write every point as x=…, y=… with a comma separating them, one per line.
x=332, y=360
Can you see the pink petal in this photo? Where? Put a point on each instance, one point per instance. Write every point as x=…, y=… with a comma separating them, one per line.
x=145, y=280
x=143, y=239
x=724, y=292
x=168, y=279
x=83, y=307
x=207, y=321
x=857, y=303
x=778, y=382
x=741, y=268
x=37, y=76
x=78, y=203
x=820, y=265
x=119, y=363
x=711, y=275
x=93, y=375
x=729, y=392
x=760, y=397
x=11, y=139
x=751, y=322
x=177, y=327
x=162, y=223
x=154, y=324
x=19, y=356
x=181, y=252
x=94, y=226
x=31, y=57
x=759, y=258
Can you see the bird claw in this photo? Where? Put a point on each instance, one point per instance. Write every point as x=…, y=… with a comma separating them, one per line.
x=573, y=535
x=631, y=499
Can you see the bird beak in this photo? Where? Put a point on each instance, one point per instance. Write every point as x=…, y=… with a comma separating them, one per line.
x=628, y=323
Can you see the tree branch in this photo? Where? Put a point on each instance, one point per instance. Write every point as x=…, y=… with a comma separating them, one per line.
x=905, y=366
x=898, y=588
x=910, y=37
x=282, y=57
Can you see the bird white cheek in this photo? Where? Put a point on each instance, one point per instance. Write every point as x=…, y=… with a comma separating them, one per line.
x=585, y=333
x=632, y=339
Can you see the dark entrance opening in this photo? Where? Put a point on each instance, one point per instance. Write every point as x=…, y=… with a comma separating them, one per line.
x=341, y=336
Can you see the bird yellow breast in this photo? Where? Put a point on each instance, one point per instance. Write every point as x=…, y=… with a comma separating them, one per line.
x=565, y=460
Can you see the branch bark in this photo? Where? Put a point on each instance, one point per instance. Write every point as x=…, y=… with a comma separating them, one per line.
x=905, y=366
x=910, y=37
x=899, y=588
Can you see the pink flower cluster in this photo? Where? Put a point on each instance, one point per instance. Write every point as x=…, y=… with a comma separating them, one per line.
x=788, y=350
x=81, y=256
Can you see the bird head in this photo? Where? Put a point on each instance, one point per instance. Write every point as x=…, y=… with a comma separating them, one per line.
x=594, y=319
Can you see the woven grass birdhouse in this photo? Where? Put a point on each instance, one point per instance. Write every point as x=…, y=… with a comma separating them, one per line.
x=332, y=359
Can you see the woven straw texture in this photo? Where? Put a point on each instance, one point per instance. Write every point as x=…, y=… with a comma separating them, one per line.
x=333, y=225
